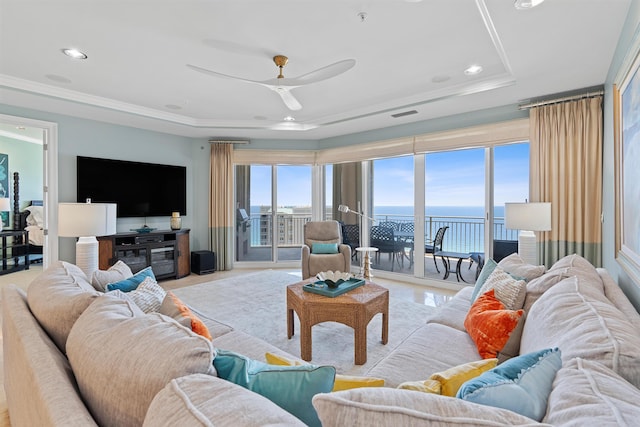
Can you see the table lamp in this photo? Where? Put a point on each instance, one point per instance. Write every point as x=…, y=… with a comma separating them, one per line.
x=5, y=205
x=528, y=217
x=86, y=221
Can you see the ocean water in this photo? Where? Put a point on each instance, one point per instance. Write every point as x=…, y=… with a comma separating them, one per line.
x=466, y=225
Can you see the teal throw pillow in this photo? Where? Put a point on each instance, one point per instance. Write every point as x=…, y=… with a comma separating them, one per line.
x=486, y=271
x=521, y=384
x=131, y=284
x=290, y=387
x=324, y=248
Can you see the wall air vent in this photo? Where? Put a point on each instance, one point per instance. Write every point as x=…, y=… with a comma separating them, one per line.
x=404, y=113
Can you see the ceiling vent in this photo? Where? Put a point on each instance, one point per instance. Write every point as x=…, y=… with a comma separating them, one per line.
x=404, y=113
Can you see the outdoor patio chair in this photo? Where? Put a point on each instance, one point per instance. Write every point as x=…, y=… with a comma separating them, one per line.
x=384, y=239
x=323, y=249
x=390, y=224
x=437, y=245
x=351, y=237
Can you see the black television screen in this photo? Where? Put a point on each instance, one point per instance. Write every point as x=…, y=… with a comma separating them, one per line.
x=139, y=189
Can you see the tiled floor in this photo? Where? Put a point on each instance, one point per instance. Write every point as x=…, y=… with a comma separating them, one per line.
x=420, y=294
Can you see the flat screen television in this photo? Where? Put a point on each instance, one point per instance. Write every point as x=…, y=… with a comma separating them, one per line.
x=139, y=189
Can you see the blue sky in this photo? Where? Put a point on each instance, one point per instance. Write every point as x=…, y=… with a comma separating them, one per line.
x=453, y=178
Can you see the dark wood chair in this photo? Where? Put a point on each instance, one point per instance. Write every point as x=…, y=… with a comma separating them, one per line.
x=437, y=245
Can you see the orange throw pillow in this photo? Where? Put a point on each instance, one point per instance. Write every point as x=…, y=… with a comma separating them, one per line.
x=197, y=325
x=490, y=325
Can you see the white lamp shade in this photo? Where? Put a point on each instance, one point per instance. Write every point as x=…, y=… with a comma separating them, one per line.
x=86, y=219
x=5, y=204
x=528, y=216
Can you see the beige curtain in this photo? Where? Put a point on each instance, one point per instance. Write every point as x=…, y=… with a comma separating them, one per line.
x=566, y=170
x=221, y=210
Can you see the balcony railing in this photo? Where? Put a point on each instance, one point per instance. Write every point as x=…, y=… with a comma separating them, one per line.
x=465, y=233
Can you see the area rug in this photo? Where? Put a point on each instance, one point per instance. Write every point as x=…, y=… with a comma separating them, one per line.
x=256, y=303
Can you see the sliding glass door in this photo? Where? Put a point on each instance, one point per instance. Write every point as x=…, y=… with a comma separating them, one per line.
x=272, y=205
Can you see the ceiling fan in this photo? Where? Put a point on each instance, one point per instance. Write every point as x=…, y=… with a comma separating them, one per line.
x=283, y=86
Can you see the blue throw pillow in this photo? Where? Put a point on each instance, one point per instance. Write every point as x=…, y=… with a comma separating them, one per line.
x=131, y=284
x=486, y=271
x=324, y=248
x=290, y=387
x=521, y=384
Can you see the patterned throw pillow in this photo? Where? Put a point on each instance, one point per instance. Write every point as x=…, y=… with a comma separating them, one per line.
x=173, y=307
x=148, y=296
x=490, y=325
x=509, y=291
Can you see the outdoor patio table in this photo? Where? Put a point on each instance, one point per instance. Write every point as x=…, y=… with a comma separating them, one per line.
x=447, y=263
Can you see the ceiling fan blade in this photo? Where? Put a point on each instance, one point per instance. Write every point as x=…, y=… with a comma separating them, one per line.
x=224, y=76
x=324, y=73
x=287, y=97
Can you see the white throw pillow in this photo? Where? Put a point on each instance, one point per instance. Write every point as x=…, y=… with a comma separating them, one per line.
x=515, y=265
x=148, y=296
x=509, y=291
x=35, y=216
x=117, y=272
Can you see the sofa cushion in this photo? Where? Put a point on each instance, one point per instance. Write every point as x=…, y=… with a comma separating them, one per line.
x=57, y=297
x=521, y=384
x=122, y=358
x=575, y=316
x=454, y=311
x=539, y=285
x=490, y=325
x=173, y=307
x=515, y=265
x=131, y=283
x=195, y=400
x=118, y=271
x=290, y=387
x=589, y=393
x=425, y=352
x=393, y=407
x=449, y=381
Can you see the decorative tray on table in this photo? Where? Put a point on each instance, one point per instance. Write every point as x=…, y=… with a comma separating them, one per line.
x=320, y=287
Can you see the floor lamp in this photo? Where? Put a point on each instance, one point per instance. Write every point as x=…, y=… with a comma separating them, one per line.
x=86, y=221
x=528, y=217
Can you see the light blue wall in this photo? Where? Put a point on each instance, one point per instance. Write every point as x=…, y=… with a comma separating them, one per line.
x=26, y=159
x=92, y=138
x=629, y=34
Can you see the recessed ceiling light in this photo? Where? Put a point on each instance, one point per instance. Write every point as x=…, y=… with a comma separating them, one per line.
x=289, y=119
x=526, y=4
x=21, y=128
x=473, y=69
x=74, y=53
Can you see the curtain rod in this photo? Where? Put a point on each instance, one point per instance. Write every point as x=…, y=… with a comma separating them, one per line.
x=228, y=141
x=559, y=100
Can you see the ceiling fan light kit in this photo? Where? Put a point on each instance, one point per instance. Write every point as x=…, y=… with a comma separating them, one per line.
x=526, y=4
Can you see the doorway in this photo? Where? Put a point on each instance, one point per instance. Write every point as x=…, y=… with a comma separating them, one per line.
x=49, y=141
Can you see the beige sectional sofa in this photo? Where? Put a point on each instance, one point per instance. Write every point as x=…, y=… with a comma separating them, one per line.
x=76, y=357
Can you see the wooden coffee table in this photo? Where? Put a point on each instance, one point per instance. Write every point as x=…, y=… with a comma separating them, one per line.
x=355, y=308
